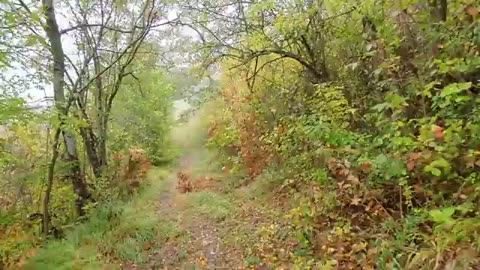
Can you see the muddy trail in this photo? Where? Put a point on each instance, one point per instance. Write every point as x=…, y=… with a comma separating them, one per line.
x=198, y=244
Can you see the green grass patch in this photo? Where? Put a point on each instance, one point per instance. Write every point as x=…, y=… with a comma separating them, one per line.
x=211, y=204
x=114, y=233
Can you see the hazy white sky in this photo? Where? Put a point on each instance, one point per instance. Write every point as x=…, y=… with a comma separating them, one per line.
x=36, y=96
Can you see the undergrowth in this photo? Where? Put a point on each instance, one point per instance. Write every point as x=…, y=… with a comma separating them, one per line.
x=119, y=233
x=373, y=163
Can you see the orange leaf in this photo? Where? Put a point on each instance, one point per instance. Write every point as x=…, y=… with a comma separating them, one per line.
x=359, y=247
x=355, y=201
x=372, y=251
x=472, y=11
x=344, y=172
x=147, y=245
x=352, y=178
x=414, y=155
x=410, y=165
x=438, y=132
x=32, y=252
x=342, y=185
x=418, y=188
x=202, y=261
x=366, y=166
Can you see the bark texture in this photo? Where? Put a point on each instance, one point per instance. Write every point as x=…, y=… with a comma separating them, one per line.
x=75, y=173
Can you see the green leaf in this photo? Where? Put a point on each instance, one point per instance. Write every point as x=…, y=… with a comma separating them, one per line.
x=396, y=101
x=427, y=91
x=380, y=107
x=455, y=88
x=434, y=171
x=441, y=162
x=442, y=215
x=462, y=99
x=31, y=40
x=35, y=17
x=252, y=260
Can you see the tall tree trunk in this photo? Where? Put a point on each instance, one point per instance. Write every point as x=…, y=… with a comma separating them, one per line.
x=439, y=9
x=102, y=140
x=78, y=179
x=91, y=141
x=443, y=10
x=90, y=147
x=48, y=192
x=438, y=13
x=101, y=114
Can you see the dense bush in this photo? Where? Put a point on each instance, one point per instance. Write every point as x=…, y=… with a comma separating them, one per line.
x=392, y=133
x=138, y=137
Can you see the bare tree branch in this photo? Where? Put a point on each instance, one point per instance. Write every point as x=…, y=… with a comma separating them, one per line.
x=80, y=26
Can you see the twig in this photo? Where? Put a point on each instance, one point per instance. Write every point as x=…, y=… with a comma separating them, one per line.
x=66, y=30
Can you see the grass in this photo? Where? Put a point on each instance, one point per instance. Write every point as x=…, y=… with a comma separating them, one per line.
x=210, y=204
x=117, y=233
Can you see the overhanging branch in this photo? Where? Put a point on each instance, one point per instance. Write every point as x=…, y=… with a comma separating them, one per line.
x=80, y=26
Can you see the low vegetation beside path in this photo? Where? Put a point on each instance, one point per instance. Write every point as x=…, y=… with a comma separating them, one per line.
x=116, y=236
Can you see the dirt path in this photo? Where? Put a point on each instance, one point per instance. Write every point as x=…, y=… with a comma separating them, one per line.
x=199, y=245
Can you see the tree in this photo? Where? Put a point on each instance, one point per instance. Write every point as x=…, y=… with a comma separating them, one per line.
x=247, y=30
x=103, y=39
x=141, y=116
x=62, y=105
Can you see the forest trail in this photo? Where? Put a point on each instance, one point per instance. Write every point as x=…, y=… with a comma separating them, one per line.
x=198, y=244
x=222, y=223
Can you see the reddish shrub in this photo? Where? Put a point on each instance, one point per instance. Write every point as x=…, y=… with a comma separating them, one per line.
x=184, y=183
x=134, y=167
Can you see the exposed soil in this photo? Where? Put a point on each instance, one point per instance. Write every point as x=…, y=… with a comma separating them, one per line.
x=199, y=246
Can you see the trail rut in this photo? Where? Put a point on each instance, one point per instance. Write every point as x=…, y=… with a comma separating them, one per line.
x=198, y=246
